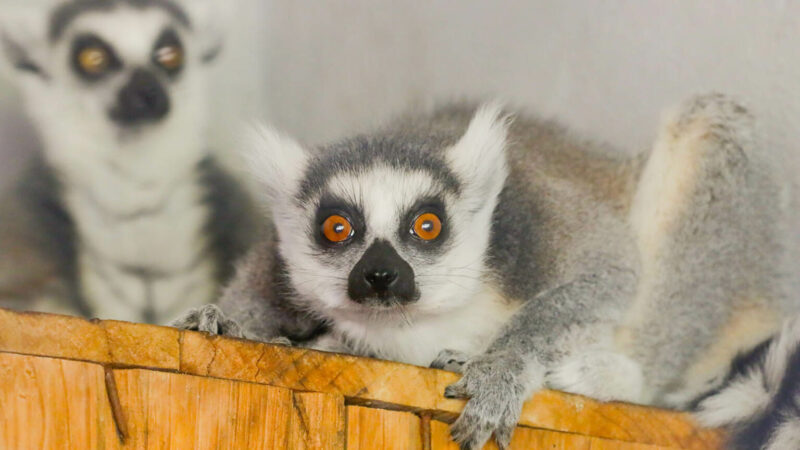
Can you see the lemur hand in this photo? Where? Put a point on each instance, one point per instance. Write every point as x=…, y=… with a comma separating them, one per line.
x=210, y=319
x=450, y=360
x=496, y=386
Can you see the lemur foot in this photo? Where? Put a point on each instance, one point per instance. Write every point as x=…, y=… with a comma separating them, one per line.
x=450, y=360
x=602, y=375
x=711, y=121
x=495, y=384
x=280, y=340
x=209, y=319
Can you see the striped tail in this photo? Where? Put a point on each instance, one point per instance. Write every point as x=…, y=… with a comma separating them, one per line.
x=760, y=399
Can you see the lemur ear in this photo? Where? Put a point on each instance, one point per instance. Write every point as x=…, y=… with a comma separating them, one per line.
x=479, y=157
x=23, y=41
x=276, y=161
x=211, y=20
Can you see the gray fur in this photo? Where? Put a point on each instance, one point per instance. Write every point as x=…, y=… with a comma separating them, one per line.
x=599, y=282
x=360, y=153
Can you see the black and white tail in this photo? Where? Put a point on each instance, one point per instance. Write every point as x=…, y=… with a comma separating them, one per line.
x=760, y=400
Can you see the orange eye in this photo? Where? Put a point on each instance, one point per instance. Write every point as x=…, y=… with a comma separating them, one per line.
x=93, y=60
x=170, y=57
x=337, y=229
x=427, y=226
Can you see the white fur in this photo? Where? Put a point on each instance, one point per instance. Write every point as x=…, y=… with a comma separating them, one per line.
x=275, y=160
x=786, y=437
x=737, y=402
x=146, y=176
x=480, y=155
x=599, y=374
x=469, y=330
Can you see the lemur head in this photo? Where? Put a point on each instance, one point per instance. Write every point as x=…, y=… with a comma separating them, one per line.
x=391, y=225
x=99, y=74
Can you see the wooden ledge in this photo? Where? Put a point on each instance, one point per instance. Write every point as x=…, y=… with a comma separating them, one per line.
x=360, y=381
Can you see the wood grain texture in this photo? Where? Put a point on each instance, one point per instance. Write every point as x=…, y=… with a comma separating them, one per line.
x=142, y=345
x=415, y=388
x=361, y=381
x=168, y=410
x=53, y=403
x=530, y=438
x=52, y=335
x=317, y=421
x=369, y=428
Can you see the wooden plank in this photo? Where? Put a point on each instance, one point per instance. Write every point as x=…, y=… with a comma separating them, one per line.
x=370, y=428
x=361, y=380
x=106, y=341
x=616, y=421
x=168, y=410
x=53, y=403
x=142, y=345
x=523, y=438
x=52, y=335
x=317, y=421
x=377, y=382
x=530, y=438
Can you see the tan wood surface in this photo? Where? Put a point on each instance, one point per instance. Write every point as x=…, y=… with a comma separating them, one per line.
x=303, y=384
x=369, y=428
x=318, y=421
x=53, y=403
x=532, y=438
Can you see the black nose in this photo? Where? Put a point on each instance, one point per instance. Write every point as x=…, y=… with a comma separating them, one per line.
x=380, y=279
x=142, y=99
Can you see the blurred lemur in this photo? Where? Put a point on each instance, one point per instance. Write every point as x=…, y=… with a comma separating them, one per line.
x=507, y=249
x=126, y=214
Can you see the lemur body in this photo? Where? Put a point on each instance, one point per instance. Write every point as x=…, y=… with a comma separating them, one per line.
x=148, y=223
x=535, y=258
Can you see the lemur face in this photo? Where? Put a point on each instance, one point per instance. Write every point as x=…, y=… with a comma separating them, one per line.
x=109, y=73
x=126, y=66
x=388, y=226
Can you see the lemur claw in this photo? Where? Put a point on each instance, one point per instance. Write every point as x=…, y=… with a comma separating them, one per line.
x=209, y=319
x=450, y=360
x=496, y=390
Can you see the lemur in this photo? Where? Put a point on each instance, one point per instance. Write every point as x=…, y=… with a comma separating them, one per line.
x=504, y=247
x=126, y=214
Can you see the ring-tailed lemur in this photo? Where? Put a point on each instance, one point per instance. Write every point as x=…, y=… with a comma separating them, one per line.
x=520, y=255
x=126, y=215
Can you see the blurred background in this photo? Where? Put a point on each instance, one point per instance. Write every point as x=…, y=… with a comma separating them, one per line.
x=607, y=69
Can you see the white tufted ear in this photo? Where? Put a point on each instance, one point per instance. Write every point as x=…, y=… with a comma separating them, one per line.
x=23, y=41
x=276, y=161
x=479, y=157
x=211, y=21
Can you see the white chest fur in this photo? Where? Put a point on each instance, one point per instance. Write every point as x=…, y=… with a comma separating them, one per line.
x=469, y=330
x=142, y=251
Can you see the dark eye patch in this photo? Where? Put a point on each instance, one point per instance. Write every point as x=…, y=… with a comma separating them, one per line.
x=427, y=205
x=331, y=206
x=168, y=52
x=92, y=58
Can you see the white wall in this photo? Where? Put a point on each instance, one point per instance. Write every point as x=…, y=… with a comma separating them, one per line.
x=320, y=69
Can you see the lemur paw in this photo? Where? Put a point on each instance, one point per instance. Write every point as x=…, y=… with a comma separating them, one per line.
x=450, y=360
x=601, y=375
x=280, y=340
x=209, y=319
x=714, y=119
x=496, y=387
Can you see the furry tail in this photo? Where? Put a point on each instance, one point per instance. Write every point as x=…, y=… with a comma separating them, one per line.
x=760, y=399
